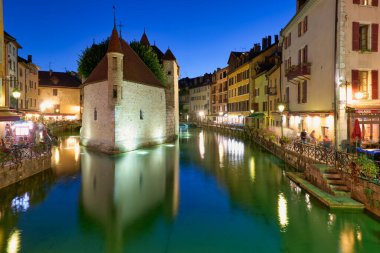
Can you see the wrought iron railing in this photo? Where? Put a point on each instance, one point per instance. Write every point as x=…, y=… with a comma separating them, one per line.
x=16, y=155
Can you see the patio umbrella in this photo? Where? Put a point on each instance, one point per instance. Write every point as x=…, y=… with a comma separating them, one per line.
x=357, y=133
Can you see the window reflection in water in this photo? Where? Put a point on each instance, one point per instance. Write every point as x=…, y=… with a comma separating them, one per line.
x=20, y=203
x=308, y=202
x=233, y=148
x=283, y=212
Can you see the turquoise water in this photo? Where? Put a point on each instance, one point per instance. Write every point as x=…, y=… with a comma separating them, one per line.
x=205, y=193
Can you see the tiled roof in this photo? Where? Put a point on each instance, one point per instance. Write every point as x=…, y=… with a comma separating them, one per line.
x=169, y=56
x=134, y=69
x=159, y=53
x=58, y=79
x=114, y=44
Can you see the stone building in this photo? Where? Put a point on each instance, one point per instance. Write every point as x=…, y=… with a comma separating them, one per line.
x=59, y=95
x=331, y=77
x=28, y=84
x=125, y=106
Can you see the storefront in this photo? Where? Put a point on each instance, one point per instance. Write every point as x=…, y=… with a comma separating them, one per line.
x=369, y=122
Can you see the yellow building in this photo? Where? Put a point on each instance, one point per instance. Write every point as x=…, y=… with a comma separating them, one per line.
x=59, y=95
x=2, y=57
x=274, y=95
x=238, y=87
x=28, y=85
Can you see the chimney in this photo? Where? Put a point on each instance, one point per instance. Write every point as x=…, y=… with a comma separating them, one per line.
x=257, y=48
x=276, y=39
x=264, y=43
x=30, y=58
x=269, y=41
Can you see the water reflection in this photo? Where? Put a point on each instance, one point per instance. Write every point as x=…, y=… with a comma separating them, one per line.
x=283, y=211
x=14, y=242
x=66, y=157
x=128, y=193
x=202, y=145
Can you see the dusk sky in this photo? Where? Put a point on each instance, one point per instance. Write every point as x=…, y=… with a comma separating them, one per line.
x=201, y=34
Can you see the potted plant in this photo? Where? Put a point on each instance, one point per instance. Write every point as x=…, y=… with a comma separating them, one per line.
x=367, y=166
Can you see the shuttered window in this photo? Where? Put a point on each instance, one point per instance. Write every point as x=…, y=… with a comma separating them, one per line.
x=375, y=84
x=355, y=82
x=355, y=36
x=299, y=93
x=304, y=92
x=375, y=38
x=299, y=29
x=305, y=23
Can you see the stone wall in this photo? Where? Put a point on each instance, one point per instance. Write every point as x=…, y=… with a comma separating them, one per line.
x=314, y=176
x=97, y=134
x=365, y=192
x=67, y=98
x=13, y=174
x=140, y=118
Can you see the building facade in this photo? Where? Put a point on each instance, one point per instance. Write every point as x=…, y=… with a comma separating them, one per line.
x=11, y=72
x=238, y=87
x=28, y=84
x=308, y=68
x=331, y=78
x=2, y=58
x=200, y=97
x=357, y=73
x=59, y=95
x=219, y=94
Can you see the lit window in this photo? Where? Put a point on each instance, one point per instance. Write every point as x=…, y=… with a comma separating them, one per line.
x=363, y=82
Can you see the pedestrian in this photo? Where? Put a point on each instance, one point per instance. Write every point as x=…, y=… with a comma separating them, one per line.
x=312, y=137
x=303, y=136
x=327, y=142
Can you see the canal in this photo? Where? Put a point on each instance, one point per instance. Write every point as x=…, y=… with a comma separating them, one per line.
x=205, y=193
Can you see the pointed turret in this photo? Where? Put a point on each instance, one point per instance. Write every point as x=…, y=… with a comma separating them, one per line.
x=169, y=56
x=144, y=40
x=114, y=45
x=115, y=57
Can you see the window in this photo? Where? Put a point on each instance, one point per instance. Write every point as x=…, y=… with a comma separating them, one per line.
x=365, y=2
x=299, y=29
x=363, y=81
x=38, y=92
x=287, y=95
x=304, y=92
x=55, y=92
x=305, y=24
x=299, y=93
x=95, y=114
x=141, y=115
x=363, y=37
x=114, y=63
x=114, y=93
x=169, y=73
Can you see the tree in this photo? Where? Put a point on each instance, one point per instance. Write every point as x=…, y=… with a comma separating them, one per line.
x=150, y=59
x=91, y=56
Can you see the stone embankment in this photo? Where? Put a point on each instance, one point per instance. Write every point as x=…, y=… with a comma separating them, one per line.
x=325, y=173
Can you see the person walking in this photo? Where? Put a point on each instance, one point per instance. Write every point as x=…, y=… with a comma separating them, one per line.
x=312, y=137
x=303, y=136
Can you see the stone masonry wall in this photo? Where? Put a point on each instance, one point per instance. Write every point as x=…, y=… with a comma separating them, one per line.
x=132, y=131
x=97, y=134
x=13, y=174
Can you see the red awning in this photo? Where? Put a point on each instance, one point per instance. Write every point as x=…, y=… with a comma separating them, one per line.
x=357, y=133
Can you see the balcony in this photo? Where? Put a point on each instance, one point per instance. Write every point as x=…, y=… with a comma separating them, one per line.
x=299, y=72
x=271, y=91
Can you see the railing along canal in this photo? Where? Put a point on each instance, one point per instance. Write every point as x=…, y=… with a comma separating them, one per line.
x=295, y=153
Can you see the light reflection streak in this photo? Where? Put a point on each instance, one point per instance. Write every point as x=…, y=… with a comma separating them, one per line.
x=14, y=242
x=21, y=204
x=347, y=240
x=308, y=202
x=202, y=145
x=283, y=211
x=252, y=169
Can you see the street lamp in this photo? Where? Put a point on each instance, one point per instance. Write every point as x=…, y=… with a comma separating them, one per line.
x=16, y=94
x=359, y=95
x=281, y=109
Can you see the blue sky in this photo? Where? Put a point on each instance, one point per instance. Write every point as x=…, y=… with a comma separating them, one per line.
x=201, y=34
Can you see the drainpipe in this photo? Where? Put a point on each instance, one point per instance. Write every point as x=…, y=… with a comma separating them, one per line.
x=336, y=115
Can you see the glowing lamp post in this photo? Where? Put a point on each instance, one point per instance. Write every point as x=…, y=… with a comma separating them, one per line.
x=359, y=95
x=281, y=109
x=16, y=94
